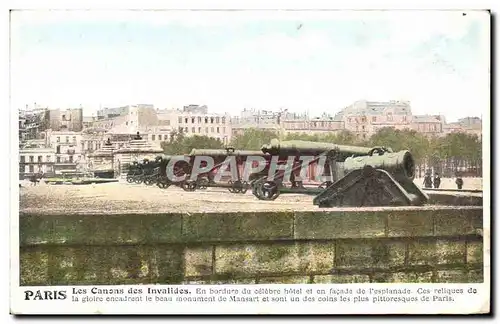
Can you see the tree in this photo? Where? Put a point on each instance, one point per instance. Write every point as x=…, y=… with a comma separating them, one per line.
x=399, y=140
x=179, y=144
x=253, y=139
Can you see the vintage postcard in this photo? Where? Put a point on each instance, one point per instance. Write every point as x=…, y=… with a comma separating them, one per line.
x=250, y=162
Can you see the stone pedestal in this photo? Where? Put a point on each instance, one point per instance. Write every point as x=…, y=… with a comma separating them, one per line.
x=137, y=150
x=101, y=162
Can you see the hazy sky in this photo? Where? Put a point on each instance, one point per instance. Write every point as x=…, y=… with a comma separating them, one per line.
x=315, y=61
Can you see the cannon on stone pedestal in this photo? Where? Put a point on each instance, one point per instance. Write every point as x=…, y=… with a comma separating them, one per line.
x=371, y=176
x=383, y=178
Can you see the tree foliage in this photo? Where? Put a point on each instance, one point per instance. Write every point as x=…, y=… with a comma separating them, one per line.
x=180, y=144
x=253, y=139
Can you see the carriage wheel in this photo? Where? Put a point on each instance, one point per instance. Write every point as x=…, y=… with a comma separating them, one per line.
x=266, y=190
x=203, y=183
x=244, y=187
x=189, y=186
x=130, y=179
x=138, y=180
x=231, y=188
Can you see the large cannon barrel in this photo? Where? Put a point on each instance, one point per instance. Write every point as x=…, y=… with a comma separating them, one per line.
x=224, y=152
x=400, y=164
x=277, y=147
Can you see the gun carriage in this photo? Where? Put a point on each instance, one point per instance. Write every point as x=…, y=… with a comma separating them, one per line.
x=183, y=167
x=143, y=171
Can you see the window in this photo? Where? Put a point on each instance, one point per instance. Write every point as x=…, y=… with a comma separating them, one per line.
x=206, y=120
x=58, y=139
x=47, y=158
x=67, y=139
x=58, y=149
x=32, y=169
x=218, y=130
x=363, y=119
x=389, y=116
x=211, y=120
x=39, y=158
x=23, y=159
x=74, y=139
x=217, y=120
x=159, y=137
x=199, y=120
x=32, y=159
x=71, y=159
x=211, y=129
x=223, y=120
x=126, y=123
x=404, y=118
x=21, y=167
x=192, y=121
x=363, y=127
x=180, y=120
x=199, y=130
x=186, y=129
x=374, y=119
x=185, y=120
x=193, y=130
x=153, y=137
x=206, y=130
x=63, y=117
x=224, y=130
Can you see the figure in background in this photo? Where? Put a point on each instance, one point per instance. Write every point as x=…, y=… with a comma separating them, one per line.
x=437, y=180
x=459, y=182
x=428, y=180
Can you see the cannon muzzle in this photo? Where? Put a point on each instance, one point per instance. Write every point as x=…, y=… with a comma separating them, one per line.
x=400, y=164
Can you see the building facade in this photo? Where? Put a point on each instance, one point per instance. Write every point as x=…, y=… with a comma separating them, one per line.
x=428, y=125
x=314, y=126
x=36, y=160
x=70, y=120
x=193, y=123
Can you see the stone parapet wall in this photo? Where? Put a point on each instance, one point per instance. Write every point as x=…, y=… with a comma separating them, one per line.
x=438, y=244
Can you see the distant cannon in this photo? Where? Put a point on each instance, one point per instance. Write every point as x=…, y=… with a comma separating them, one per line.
x=371, y=176
x=184, y=167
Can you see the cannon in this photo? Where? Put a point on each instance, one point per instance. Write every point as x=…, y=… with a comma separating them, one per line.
x=182, y=166
x=143, y=171
x=207, y=178
x=383, y=178
x=325, y=154
x=175, y=165
x=371, y=176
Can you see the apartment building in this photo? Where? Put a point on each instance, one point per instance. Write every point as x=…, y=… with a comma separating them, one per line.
x=36, y=160
x=429, y=125
x=364, y=118
x=192, y=122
